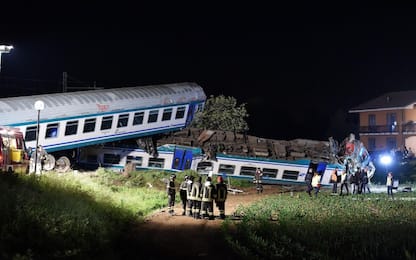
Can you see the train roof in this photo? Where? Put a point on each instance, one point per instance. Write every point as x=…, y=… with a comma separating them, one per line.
x=20, y=110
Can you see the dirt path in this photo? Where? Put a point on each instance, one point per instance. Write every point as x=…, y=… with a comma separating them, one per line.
x=183, y=237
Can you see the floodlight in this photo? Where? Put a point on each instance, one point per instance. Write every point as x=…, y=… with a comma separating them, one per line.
x=386, y=159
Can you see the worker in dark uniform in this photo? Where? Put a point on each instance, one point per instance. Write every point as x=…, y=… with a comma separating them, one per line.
x=258, y=180
x=171, y=191
x=188, y=194
x=222, y=191
x=308, y=180
x=196, y=193
x=183, y=194
x=207, y=202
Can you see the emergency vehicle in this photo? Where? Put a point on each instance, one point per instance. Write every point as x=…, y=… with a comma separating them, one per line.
x=13, y=153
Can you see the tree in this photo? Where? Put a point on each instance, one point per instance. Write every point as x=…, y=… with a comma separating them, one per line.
x=222, y=113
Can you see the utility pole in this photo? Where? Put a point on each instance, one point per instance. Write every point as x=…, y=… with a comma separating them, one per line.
x=64, y=81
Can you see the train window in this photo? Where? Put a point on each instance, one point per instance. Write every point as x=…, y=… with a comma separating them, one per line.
x=180, y=113
x=107, y=122
x=52, y=130
x=89, y=125
x=138, y=160
x=204, y=167
x=246, y=170
x=31, y=133
x=122, y=120
x=226, y=168
x=291, y=175
x=271, y=173
x=71, y=128
x=153, y=116
x=138, y=118
x=167, y=114
x=157, y=162
x=111, y=158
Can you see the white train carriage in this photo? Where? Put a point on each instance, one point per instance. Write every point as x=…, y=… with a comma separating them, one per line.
x=170, y=158
x=286, y=172
x=77, y=119
x=177, y=158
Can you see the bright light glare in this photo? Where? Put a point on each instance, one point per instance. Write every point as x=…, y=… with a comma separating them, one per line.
x=385, y=159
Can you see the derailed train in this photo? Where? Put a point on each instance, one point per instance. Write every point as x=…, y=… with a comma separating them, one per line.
x=176, y=153
x=73, y=120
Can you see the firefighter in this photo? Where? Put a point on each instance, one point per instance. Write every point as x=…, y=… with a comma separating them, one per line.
x=183, y=193
x=196, y=193
x=171, y=192
x=208, y=196
x=221, y=189
x=188, y=193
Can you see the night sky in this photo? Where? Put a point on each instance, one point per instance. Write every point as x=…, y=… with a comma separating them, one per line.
x=297, y=69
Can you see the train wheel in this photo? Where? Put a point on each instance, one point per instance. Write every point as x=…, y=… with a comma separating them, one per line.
x=49, y=162
x=63, y=164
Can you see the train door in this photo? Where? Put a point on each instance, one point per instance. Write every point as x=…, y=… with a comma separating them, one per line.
x=191, y=112
x=182, y=159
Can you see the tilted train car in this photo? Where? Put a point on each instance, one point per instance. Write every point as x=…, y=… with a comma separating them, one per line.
x=72, y=120
x=178, y=157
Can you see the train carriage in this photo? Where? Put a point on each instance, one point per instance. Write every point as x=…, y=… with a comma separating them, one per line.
x=78, y=119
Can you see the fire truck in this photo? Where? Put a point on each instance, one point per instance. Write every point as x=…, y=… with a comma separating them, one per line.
x=14, y=157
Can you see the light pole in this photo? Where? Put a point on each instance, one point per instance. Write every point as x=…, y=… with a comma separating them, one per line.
x=4, y=49
x=39, y=105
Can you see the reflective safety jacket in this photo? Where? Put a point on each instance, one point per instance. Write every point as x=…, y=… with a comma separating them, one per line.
x=208, y=192
x=196, y=191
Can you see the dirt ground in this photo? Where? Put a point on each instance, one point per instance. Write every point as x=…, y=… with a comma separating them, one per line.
x=163, y=235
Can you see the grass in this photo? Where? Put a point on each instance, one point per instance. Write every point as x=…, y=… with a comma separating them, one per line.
x=87, y=216
x=370, y=226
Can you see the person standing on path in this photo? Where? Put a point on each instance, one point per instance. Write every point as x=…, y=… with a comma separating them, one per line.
x=221, y=189
x=389, y=184
x=183, y=194
x=308, y=180
x=171, y=192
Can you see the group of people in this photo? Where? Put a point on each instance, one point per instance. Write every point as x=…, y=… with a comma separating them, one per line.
x=359, y=182
x=198, y=198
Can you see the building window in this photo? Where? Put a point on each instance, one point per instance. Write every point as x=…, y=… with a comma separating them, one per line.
x=31, y=133
x=107, y=122
x=167, y=114
x=89, y=125
x=180, y=113
x=371, y=144
x=153, y=116
x=122, y=120
x=372, y=126
x=391, y=121
x=71, y=128
x=138, y=118
x=391, y=143
x=51, y=130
